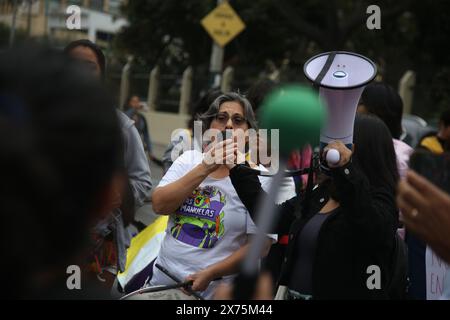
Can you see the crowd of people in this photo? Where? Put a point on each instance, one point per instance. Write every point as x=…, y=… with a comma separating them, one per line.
x=75, y=170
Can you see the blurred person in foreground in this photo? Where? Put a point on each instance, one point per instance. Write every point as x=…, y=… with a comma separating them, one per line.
x=426, y=213
x=61, y=167
x=112, y=238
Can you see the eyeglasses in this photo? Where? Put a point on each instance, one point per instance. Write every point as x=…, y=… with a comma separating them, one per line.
x=237, y=119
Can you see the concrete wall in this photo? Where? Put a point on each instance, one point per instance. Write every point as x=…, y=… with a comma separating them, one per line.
x=162, y=124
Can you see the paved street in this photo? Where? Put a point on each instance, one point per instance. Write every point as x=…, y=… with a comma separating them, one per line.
x=146, y=214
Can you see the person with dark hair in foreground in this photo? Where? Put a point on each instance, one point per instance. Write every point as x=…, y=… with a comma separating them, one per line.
x=90, y=54
x=112, y=239
x=60, y=166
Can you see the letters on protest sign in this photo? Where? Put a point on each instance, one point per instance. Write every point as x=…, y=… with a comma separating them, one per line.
x=436, y=271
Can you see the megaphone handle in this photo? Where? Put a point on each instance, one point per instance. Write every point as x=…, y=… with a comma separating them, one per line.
x=333, y=156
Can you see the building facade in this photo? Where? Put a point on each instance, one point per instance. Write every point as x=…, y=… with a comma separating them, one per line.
x=100, y=19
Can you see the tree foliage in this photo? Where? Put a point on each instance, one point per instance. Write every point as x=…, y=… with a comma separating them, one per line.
x=412, y=36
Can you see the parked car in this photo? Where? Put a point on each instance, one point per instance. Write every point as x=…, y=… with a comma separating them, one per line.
x=414, y=128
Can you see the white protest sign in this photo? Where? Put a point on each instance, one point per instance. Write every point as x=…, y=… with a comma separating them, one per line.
x=436, y=270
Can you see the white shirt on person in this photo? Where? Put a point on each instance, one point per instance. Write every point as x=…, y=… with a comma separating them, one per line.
x=208, y=227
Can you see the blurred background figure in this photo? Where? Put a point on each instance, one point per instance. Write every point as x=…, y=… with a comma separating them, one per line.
x=383, y=101
x=60, y=173
x=438, y=142
x=259, y=91
x=111, y=236
x=425, y=160
x=133, y=108
x=434, y=143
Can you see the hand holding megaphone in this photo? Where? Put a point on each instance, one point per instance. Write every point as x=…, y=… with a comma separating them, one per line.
x=337, y=154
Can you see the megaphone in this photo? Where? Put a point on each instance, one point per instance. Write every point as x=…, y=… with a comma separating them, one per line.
x=340, y=78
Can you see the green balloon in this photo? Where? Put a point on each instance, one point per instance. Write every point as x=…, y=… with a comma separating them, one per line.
x=298, y=114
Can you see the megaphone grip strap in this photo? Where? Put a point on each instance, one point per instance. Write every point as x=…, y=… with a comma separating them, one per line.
x=325, y=69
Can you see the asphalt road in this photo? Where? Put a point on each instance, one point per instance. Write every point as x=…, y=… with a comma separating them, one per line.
x=145, y=214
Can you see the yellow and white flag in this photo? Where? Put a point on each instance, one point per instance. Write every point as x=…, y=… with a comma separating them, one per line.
x=144, y=248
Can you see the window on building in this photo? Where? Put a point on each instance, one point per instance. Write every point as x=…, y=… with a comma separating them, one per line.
x=114, y=6
x=76, y=2
x=53, y=5
x=97, y=5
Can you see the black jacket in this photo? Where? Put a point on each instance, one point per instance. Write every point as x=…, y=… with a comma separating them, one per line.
x=360, y=233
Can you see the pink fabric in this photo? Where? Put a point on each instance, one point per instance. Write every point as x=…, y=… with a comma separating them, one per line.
x=301, y=160
x=401, y=233
x=403, y=152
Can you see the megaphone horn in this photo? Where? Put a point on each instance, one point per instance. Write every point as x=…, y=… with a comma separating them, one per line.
x=340, y=78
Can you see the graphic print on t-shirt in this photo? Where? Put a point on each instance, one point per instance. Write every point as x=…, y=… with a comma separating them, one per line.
x=199, y=220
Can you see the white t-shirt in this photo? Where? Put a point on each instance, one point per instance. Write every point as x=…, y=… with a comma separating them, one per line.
x=207, y=228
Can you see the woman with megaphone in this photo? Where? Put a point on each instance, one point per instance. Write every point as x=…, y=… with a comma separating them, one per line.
x=342, y=234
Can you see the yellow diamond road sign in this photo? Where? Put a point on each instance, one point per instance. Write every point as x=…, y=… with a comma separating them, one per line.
x=223, y=24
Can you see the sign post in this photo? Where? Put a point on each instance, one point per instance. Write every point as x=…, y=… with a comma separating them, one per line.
x=223, y=25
